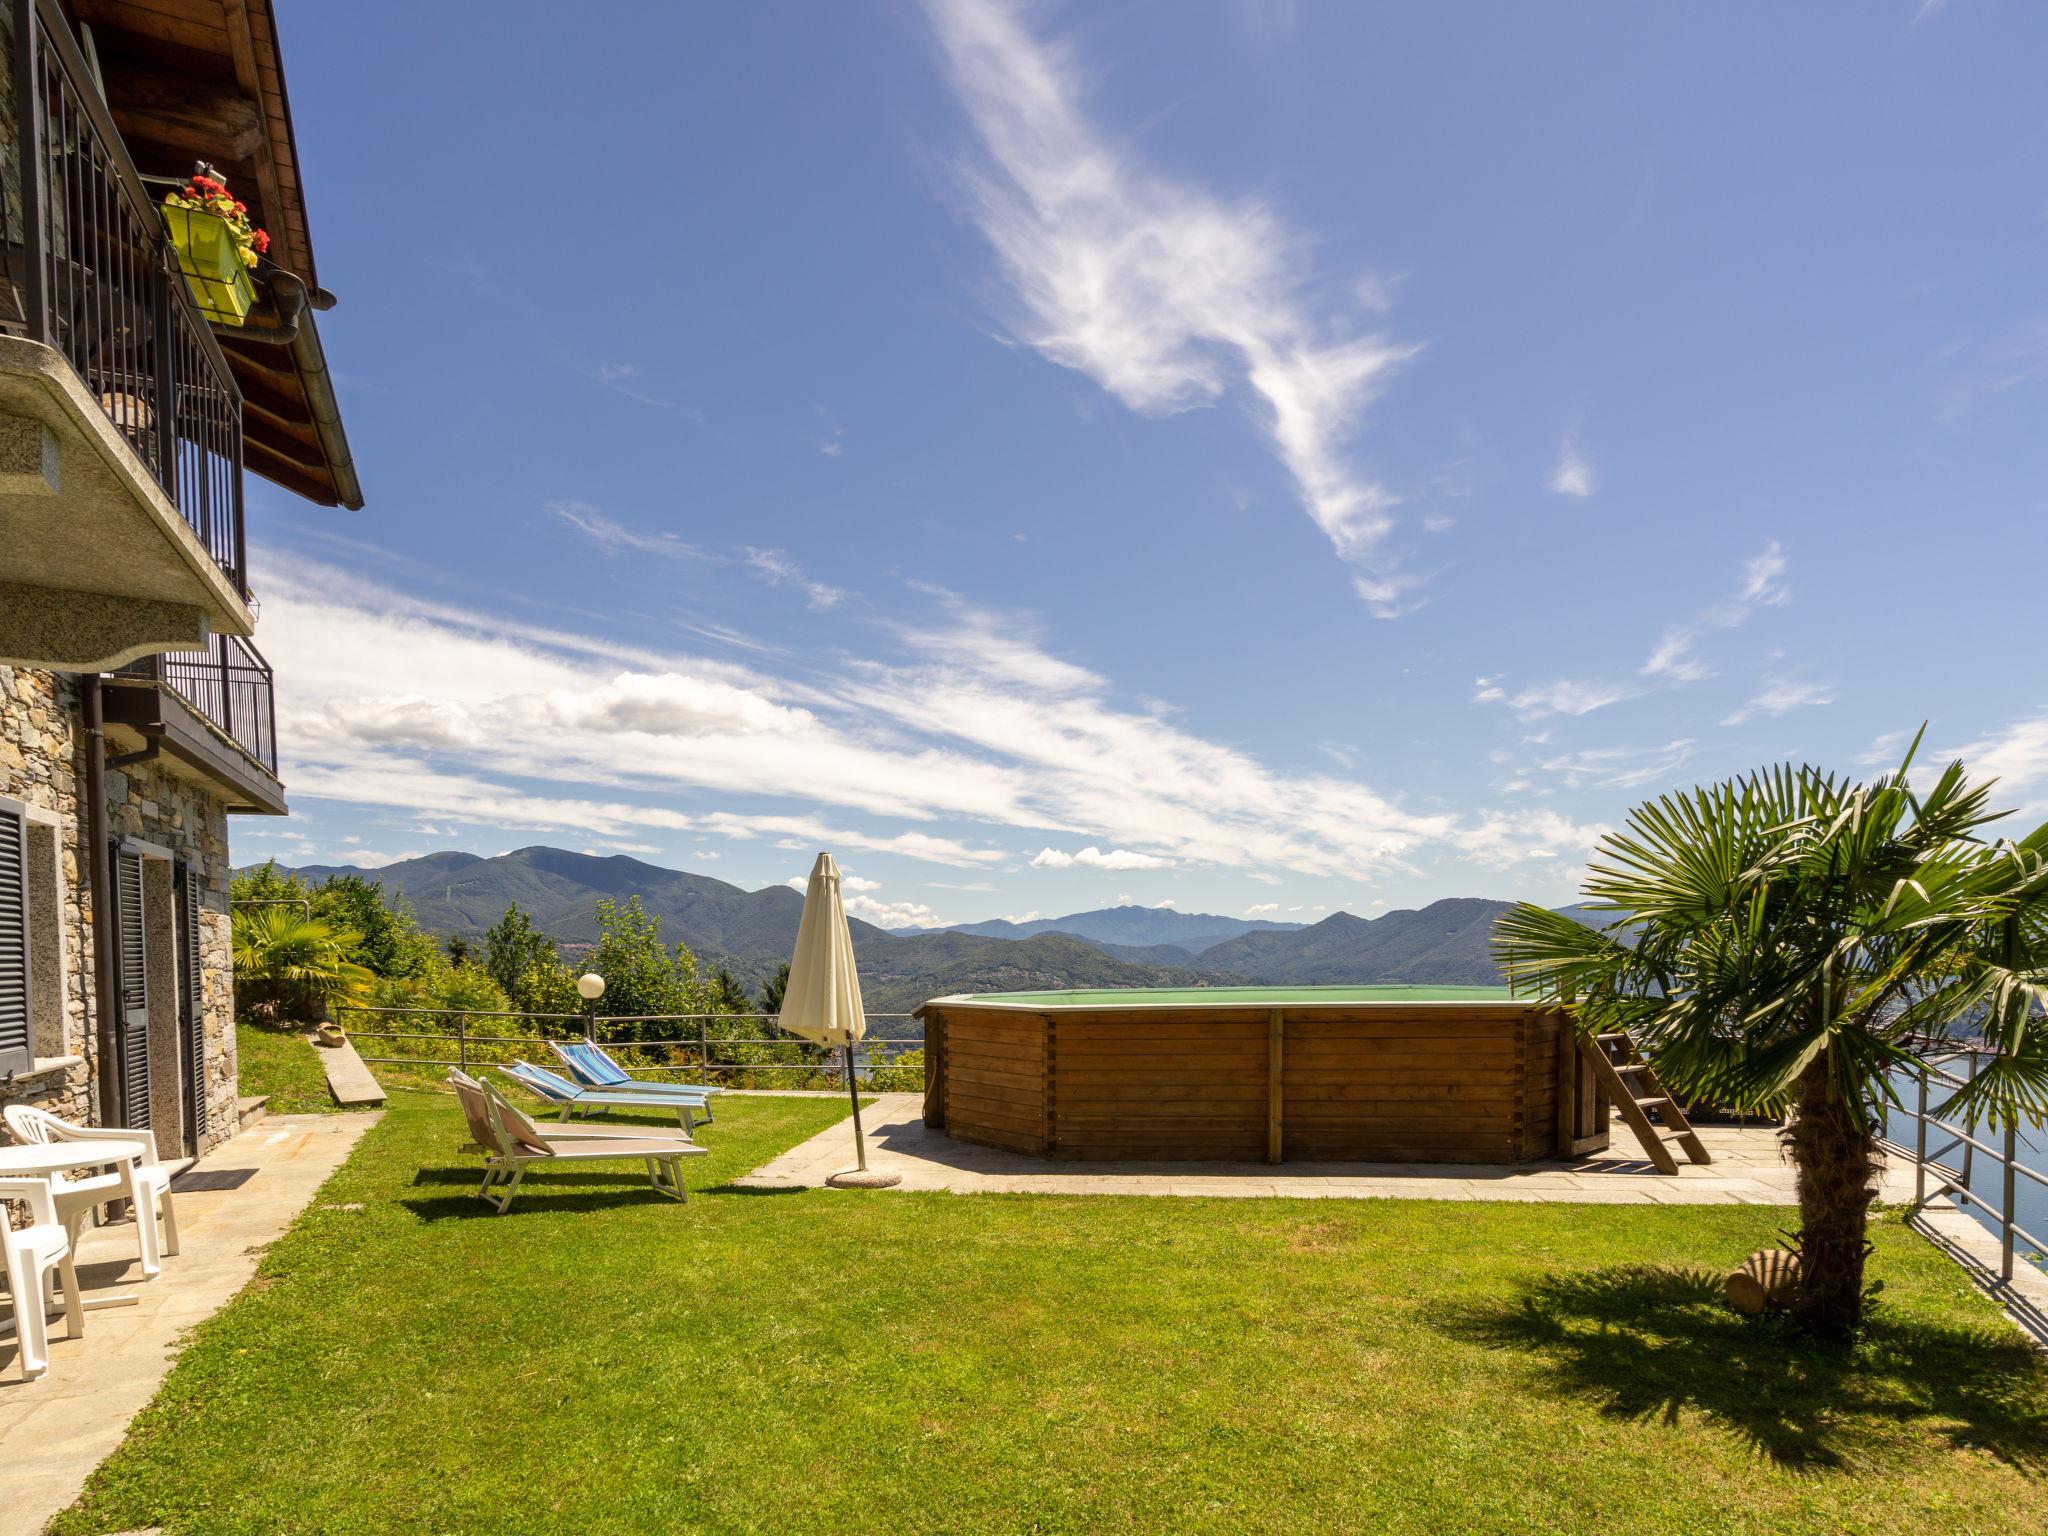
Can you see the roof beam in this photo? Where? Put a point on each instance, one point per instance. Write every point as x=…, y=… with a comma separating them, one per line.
x=197, y=119
x=259, y=460
x=242, y=45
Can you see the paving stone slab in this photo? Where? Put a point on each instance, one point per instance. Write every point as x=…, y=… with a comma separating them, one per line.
x=55, y=1431
x=1749, y=1167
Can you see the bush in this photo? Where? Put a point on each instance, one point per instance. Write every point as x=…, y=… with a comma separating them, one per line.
x=291, y=968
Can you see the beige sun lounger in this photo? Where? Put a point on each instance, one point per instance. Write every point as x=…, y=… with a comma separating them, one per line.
x=512, y=1143
x=473, y=1111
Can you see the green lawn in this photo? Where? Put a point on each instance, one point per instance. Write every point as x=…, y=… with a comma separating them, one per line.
x=280, y=1063
x=601, y=1360
x=283, y=1065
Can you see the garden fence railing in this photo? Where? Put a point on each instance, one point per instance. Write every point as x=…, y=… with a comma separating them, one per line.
x=1935, y=1179
x=695, y=1049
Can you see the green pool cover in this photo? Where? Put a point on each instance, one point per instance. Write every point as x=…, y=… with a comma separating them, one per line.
x=1241, y=997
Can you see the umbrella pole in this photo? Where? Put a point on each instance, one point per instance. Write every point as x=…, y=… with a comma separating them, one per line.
x=860, y=1144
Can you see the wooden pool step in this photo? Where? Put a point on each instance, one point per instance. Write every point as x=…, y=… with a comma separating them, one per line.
x=1637, y=1093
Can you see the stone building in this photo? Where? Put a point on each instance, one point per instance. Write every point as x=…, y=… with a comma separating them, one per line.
x=138, y=386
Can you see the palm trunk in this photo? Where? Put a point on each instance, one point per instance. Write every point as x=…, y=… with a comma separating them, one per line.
x=1834, y=1151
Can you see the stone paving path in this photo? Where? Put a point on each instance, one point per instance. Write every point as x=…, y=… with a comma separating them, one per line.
x=54, y=1431
x=1975, y=1247
x=1747, y=1170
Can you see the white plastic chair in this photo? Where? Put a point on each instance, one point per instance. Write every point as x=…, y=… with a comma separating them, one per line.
x=146, y=1182
x=33, y=1252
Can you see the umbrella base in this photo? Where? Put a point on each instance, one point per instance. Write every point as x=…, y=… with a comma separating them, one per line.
x=864, y=1178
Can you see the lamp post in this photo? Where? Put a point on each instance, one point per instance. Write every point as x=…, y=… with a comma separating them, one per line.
x=590, y=987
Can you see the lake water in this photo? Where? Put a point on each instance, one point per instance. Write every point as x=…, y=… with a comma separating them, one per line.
x=1987, y=1179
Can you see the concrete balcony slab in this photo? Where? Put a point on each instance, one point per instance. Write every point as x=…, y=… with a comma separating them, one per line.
x=97, y=565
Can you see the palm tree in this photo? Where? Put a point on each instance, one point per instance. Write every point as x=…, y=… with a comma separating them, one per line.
x=1788, y=940
x=290, y=966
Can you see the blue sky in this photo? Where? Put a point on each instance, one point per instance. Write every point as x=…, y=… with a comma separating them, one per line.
x=1266, y=458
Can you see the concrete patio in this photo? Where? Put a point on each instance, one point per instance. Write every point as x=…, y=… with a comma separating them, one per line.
x=1747, y=1170
x=55, y=1431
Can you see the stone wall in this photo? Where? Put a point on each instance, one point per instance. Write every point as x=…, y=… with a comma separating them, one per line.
x=42, y=760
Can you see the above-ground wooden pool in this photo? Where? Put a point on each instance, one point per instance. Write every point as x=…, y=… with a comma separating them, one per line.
x=1378, y=1074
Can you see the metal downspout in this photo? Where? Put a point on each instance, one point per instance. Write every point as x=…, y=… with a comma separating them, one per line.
x=99, y=862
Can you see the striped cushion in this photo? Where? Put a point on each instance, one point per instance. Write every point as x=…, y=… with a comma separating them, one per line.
x=596, y=1065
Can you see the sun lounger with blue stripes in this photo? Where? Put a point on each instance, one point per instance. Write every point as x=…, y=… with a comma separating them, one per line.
x=576, y=1099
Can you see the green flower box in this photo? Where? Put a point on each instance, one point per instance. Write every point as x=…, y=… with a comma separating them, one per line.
x=212, y=264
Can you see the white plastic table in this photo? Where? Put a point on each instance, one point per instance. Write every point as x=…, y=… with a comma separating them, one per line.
x=38, y=1160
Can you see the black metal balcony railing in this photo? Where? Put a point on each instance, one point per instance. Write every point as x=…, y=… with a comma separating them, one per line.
x=230, y=684
x=93, y=275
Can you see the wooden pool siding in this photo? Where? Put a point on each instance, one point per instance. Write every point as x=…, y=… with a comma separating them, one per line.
x=1367, y=1082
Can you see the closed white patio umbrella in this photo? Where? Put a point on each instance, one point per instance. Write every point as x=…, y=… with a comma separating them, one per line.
x=822, y=1000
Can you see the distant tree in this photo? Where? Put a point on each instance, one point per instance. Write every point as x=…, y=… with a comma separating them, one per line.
x=546, y=987
x=467, y=987
x=513, y=947
x=641, y=975
x=773, y=988
x=267, y=884
x=388, y=938
x=460, y=951
x=726, y=995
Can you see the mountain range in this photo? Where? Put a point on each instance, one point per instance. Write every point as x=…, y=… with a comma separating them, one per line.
x=1130, y=927
x=752, y=932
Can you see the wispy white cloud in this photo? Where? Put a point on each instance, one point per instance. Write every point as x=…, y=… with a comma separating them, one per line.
x=1163, y=293
x=2015, y=755
x=1573, y=475
x=809, y=832
x=1780, y=696
x=1620, y=767
x=1261, y=908
x=872, y=909
x=1095, y=858
x=624, y=379
x=1501, y=840
x=956, y=738
x=894, y=914
x=1673, y=660
x=777, y=569
x=1761, y=585
x=612, y=536
x=1562, y=696
x=2014, y=359
x=365, y=858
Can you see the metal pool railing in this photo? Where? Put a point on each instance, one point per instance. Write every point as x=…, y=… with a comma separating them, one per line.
x=696, y=1050
x=1958, y=1182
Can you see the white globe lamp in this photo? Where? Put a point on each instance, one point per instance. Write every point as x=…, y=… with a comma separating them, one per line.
x=590, y=987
